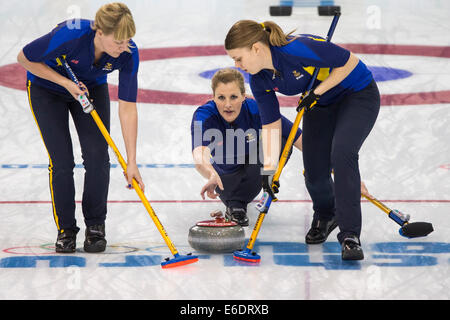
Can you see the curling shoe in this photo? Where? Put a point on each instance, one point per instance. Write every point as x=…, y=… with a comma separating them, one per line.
x=66, y=241
x=351, y=249
x=238, y=215
x=95, y=238
x=320, y=229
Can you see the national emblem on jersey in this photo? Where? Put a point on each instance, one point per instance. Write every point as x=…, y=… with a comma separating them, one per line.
x=250, y=137
x=297, y=74
x=107, y=67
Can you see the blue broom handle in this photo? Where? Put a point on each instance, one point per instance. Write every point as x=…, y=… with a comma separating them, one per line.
x=329, y=35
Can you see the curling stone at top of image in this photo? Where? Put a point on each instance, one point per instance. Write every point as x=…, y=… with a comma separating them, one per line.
x=285, y=9
x=280, y=10
x=328, y=10
x=216, y=236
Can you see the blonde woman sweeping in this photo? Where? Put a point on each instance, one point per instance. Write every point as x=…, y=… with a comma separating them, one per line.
x=93, y=49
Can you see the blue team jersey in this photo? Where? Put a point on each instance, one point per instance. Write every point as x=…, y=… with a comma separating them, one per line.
x=231, y=144
x=295, y=63
x=77, y=45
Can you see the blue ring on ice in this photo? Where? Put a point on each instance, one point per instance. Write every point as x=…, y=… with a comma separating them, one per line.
x=379, y=73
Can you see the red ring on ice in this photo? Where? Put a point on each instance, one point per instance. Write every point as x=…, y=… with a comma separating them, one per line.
x=12, y=250
x=50, y=249
x=14, y=76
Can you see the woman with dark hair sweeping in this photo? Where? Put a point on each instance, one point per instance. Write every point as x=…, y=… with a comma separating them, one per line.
x=341, y=110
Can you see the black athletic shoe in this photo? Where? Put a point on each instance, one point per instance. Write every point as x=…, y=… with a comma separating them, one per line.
x=95, y=238
x=319, y=231
x=351, y=249
x=66, y=241
x=238, y=215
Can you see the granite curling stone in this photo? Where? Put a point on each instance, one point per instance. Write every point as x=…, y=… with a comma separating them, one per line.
x=216, y=236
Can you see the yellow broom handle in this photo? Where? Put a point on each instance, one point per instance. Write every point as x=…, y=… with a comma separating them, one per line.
x=135, y=184
x=378, y=204
x=288, y=145
x=251, y=241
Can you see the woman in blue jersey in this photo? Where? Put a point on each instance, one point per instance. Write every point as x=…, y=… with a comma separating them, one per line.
x=225, y=144
x=226, y=134
x=341, y=110
x=93, y=49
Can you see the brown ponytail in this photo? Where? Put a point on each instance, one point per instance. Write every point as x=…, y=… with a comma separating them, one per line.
x=244, y=33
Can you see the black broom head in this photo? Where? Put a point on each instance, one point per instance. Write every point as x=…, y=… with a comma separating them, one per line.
x=416, y=229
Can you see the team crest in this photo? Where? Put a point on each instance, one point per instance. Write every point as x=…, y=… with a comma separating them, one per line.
x=250, y=137
x=297, y=74
x=107, y=67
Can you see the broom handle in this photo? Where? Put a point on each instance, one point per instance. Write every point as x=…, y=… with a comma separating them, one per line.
x=135, y=184
x=289, y=143
x=298, y=118
x=122, y=162
x=378, y=204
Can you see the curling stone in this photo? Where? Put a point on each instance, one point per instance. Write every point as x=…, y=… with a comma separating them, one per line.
x=328, y=10
x=216, y=236
x=280, y=10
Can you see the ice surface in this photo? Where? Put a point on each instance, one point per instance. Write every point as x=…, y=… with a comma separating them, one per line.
x=405, y=162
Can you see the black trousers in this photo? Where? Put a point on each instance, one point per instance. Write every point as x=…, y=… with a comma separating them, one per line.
x=243, y=185
x=51, y=111
x=332, y=138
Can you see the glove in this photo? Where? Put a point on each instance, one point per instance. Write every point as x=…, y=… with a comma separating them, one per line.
x=275, y=186
x=267, y=181
x=308, y=101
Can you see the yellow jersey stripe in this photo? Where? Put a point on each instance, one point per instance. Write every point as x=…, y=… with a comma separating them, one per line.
x=323, y=72
x=50, y=167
